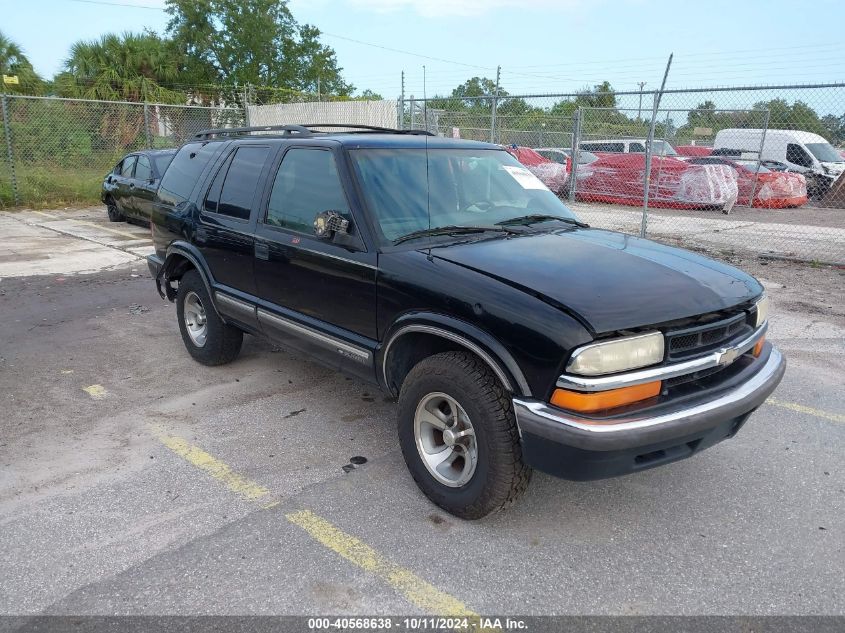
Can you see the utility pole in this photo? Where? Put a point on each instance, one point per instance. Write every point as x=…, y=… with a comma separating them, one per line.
x=495, y=106
x=318, y=88
x=640, y=109
x=402, y=104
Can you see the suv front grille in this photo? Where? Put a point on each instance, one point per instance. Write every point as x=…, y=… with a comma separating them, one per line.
x=700, y=339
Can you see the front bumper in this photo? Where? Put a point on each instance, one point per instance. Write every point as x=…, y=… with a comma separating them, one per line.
x=574, y=447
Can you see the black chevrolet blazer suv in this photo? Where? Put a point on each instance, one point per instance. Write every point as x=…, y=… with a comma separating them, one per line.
x=514, y=336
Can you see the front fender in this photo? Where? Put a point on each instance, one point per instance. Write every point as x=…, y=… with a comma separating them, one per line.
x=465, y=334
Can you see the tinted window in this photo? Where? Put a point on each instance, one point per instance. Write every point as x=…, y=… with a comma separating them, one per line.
x=143, y=170
x=212, y=198
x=126, y=168
x=239, y=176
x=161, y=161
x=306, y=184
x=117, y=168
x=603, y=147
x=183, y=173
x=796, y=154
x=638, y=148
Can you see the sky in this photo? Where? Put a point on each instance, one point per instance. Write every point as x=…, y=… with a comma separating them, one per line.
x=542, y=46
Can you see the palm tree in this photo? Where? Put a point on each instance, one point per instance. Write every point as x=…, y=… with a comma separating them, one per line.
x=128, y=67
x=13, y=61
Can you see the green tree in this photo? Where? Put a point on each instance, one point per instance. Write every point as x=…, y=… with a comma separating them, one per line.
x=128, y=67
x=252, y=42
x=14, y=62
x=369, y=95
x=798, y=116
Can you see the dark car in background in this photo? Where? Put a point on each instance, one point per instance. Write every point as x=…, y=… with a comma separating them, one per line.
x=129, y=189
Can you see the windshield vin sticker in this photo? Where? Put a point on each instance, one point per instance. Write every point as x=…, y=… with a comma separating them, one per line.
x=525, y=178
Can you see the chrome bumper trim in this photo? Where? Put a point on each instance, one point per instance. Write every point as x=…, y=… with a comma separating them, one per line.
x=742, y=399
x=722, y=356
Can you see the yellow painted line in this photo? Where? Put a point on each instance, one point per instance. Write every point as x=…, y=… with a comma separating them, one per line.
x=416, y=590
x=194, y=455
x=97, y=392
x=67, y=371
x=800, y=408
x=134, y=236
x=419, y=592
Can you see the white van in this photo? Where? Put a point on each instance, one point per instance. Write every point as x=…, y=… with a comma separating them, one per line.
x=628, y=146
x=800, y=151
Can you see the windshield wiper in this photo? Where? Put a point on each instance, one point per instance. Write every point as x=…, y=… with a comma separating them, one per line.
x=454, y=229
x=542, y=217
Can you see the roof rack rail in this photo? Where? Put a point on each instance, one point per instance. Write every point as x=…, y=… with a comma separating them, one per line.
x=305, y=130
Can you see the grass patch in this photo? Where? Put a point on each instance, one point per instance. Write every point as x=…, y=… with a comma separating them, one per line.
x=44, y=185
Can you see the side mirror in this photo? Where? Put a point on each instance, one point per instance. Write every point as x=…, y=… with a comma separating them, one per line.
x=329, y=223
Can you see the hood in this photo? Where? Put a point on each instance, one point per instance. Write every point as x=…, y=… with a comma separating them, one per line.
x=609, y=280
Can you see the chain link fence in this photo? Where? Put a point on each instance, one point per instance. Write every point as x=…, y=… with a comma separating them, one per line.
x=729, y=170
x=57, y=151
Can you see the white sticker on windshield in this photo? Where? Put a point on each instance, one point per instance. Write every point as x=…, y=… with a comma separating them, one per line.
x=525, y=178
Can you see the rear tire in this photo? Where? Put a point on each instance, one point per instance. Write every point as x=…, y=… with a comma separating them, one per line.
x=114, y=214
x=485, y=474
x=207, y=338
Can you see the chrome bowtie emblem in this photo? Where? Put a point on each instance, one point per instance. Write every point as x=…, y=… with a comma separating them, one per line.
x=728, y=356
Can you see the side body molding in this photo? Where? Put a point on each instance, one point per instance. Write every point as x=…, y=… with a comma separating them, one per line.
x=472, y=338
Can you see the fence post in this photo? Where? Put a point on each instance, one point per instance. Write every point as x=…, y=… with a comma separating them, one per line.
x=147, y=125
x=7, y=129
x=759, y=158
x=649, y=152
x=413, y=113
x=495, y=107
x=246, y=105
x=576, y=150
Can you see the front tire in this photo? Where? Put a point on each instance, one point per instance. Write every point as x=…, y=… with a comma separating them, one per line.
x=207, y=338
x=458, y=435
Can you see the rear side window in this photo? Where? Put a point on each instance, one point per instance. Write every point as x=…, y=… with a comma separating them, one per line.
x=307, y=183
x=182, y=175
x=128, y=165
x=798, y=155
x=637, y=148
x=234, y=187
x=143, y=170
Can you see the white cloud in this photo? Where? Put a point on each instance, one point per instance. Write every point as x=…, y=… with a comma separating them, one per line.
x=444, y=8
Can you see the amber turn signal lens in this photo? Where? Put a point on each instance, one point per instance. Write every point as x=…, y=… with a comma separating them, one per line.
x=758, y=347
x=596, y=401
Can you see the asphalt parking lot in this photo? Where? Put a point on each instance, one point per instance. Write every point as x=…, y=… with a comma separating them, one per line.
x=135, y=481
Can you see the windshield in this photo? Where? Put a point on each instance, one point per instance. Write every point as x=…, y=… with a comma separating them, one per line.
x=825, y=153
x=410, y=190
x=662, y=148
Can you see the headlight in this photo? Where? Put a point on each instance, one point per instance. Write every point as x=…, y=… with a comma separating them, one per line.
x=629, y=352
x=762, y=311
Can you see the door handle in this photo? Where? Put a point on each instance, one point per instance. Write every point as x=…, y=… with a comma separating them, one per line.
x=262, y=250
